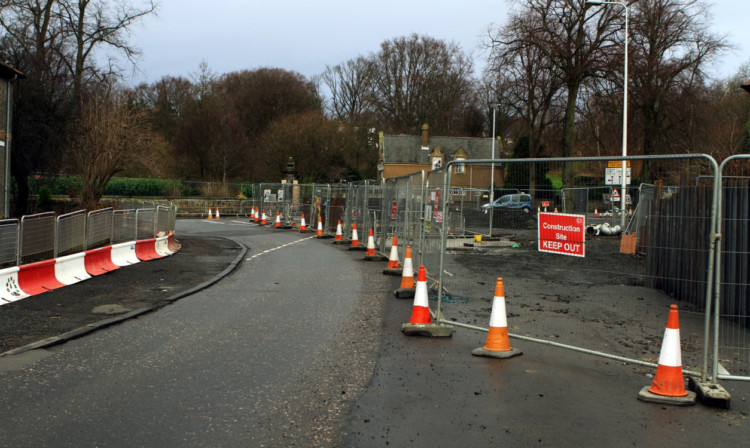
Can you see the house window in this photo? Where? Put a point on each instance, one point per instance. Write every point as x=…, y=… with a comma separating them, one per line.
x=460, y=168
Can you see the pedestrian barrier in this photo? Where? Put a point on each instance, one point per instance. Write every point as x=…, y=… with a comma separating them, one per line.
x=9, y=289
x=99, y=261
x=39, y=277
x=71, y=269
x=174, y=245
x=145, y=250
x=123, y=254
x=162, y=246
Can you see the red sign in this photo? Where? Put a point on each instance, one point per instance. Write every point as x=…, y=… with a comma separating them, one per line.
x=545, y=204
x=560, y=233
x=394, y=210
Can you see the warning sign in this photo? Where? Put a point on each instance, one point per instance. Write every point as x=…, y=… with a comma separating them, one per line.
x=561, y=233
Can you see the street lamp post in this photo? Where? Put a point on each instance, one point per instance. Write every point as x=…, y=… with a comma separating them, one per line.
x=490, y=209
x=624, y=108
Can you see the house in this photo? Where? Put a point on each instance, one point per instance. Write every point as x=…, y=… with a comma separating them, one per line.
x=400, y=155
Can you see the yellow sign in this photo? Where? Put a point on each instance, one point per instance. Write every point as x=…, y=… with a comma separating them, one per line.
x=616, y=164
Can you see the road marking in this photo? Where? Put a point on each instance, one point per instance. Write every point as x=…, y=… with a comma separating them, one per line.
x=279, y=247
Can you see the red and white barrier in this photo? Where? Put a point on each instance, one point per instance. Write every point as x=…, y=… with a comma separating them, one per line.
x=146, y=250
x=162, y=247
x=174, y=245
x=71, y=269
x=36, y=278
x=99, y=261
x=9, y=289
x=19, y=282
x=123, y=254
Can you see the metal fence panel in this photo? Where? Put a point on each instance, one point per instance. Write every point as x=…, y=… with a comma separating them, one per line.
x=9, y=239
x=123, y=226
x=37, y=238
x=732, y=342
x=144, y=219
x=162, y=220
x=71, y=233
x=99, y=228
x=665, y=256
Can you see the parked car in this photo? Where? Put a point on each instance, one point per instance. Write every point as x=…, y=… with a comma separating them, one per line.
x=511, y=201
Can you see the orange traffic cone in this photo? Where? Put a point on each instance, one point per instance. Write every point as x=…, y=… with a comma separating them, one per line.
x=370, y=243
x=420, y=313
x=393, y=267
x=320, y=227
x=303, y=225
x=278, y=220
x=497, y=344
x=420, y=323
x=668, y=386
x=355, y=237
x=393, y=259
x=217, y=213
x=209, y=213
x=339, y=232
x=257, y=217
x=252, y=212
x=264, y=218
x=407, y=277
x=596, y=212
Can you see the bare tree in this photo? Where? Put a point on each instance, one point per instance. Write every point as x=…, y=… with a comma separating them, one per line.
x=671, y=46
x=90, y=24
x=350, y=86
x=574, y=44
x=111, y=134
x=419, y=79
x=524, y=81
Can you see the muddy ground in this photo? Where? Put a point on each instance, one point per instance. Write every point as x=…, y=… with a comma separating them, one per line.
x=602, y=302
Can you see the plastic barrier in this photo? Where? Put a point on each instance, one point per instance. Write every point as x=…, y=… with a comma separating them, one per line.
x=99, y=261
x=123, y=254
x=36, y=278
x=162, y=247
x=174, y=245
x=146, y=250
x=10, y=291
x=71, y=269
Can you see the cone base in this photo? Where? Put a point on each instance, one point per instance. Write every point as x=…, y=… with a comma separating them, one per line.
x=376, y=257
x=393, y=271
x=504, y=354
x=359, y=248
x=342, y=241
x=283, y=227
x=306, y=231
x=405, y=293
x=323, y=237
x=429, y=330
x=687, y=400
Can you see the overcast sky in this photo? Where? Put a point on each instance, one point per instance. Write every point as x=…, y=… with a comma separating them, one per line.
x=307, y=35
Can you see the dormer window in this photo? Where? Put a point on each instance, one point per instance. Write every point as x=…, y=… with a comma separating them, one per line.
x=460, y=155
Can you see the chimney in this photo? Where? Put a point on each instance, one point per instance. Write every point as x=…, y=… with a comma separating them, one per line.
x=425, y=136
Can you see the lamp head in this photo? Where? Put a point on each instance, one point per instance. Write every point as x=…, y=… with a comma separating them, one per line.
x=594, y=2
